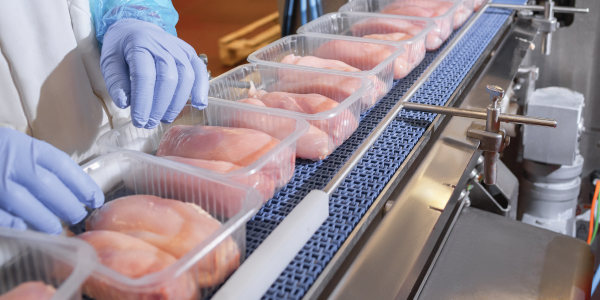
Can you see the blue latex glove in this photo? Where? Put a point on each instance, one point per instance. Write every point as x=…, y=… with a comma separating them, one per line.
x=151, y=70
x=38, y=181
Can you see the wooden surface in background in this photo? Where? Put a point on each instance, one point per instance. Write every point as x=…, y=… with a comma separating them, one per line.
x=203, y=22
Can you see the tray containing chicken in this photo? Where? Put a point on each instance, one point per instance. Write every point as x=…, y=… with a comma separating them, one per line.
x=372, y=59
x=225, y=139
x=165, y=231
x=37, y=266
x=447, y=14
x=330, y=103
x=409, y=32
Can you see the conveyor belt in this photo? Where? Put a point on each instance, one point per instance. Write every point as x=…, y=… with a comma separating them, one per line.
x=350, y=202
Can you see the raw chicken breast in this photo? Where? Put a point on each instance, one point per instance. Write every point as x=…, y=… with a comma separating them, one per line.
x=477, y=4
x=425, y=8
x=383, y=25
x=367, y=54
x=241, y=146
x=220, y=200
x=461, y=15
x=312, y=61
x=314, y=144
x=414, y=54
x=133, y=258
x=32, y=290
x=396, y=36
x=172, y=226
x=338, y=128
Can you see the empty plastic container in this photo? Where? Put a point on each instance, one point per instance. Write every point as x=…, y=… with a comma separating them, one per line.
x=445, y=23
x=195, y=274
x=374, y=58
x=329, y=129
x=60, y=262
x=412, y=30
x=278, y=163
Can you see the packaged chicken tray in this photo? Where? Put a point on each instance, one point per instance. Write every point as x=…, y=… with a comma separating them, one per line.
x=330, y=103
x=240, y=143
x=36, y=266
x=409, y=32
x=447, y=14
x=373, y=59
x=166, y=231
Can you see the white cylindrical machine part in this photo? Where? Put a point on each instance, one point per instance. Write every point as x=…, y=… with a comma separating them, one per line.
x=541, y=172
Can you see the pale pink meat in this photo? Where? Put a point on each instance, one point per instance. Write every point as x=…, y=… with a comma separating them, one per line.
x=368, y=54
x=31, y=290
x=133, y=258
x=477, y=4
x=384, y=25
x=333, y=87
x=172, y=226
x=315, y=144
x=461, y=15
x=339, y=128
x=241, y=146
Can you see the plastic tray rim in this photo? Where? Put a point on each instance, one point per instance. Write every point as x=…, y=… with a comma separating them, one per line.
x=430, y=25
x=451, y=10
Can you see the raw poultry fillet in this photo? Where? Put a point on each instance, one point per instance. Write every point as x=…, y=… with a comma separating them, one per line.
x=241, y=146
x=133, y=258
x=172, y=226
x=314, y=144
x=388, y=29
x=462, y=14
x=477, y=4
x=337, y=89
x=428, y=9
x=366, y=55
x=31, y=290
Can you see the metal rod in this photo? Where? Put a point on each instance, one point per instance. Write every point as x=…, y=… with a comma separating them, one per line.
x=339, y=177
x=480, y=114
x=557, y=9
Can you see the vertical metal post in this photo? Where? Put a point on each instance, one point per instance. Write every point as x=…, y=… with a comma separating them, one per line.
x=547, y=36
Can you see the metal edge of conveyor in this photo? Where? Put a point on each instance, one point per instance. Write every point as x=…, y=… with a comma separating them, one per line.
x=380, y=256
x=325, y=278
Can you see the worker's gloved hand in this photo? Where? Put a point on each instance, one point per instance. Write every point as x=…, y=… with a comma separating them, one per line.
x=39, y=182
x=152, y=71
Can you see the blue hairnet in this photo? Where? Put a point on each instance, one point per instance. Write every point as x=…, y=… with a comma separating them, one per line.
x=107, y=12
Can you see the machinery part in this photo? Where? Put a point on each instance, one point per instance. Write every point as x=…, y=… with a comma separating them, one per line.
x=567, y=107
x=525, y=83
x=204, y=59
x=491, y=257
x=501, y=198
x=540, y=172
x=493, y=138
x=548, y=24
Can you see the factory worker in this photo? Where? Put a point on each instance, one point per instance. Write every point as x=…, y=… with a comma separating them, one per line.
x=71, y=70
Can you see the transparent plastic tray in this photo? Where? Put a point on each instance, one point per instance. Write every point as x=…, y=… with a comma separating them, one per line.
x=477, y=4
x=379, y=71
x=27, y=256
x=331, y=127
x=361, y=24
x=125, y=173
x=444, y=23
x=278, y=163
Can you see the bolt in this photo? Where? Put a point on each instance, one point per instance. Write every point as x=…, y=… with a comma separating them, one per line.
x=506, y=141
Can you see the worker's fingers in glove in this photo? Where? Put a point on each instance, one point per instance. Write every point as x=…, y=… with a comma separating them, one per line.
x=200, y=88
x=24, y=205
x=143, y=79
x=79, y=183
x=166, y=84
x=116, y=75
x=10, y=221
x=186, y=78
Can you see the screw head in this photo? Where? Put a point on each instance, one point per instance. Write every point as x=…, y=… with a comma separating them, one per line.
x=494, y=91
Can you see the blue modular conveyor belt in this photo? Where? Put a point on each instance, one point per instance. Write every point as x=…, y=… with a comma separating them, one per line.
x=353, y=198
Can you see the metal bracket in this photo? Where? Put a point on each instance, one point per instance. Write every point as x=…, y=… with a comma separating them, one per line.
x=490, y=141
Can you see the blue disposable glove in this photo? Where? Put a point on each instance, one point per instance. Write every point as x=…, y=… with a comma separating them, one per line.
x=38, y=181
x=151, y=70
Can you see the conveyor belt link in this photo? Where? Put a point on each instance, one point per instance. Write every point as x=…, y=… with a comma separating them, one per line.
x=350, y=202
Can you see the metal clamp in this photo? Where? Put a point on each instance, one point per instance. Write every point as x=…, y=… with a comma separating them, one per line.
x=493, y=138
x=547, y=24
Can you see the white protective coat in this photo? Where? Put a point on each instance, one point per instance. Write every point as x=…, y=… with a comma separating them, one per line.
x=51, y=86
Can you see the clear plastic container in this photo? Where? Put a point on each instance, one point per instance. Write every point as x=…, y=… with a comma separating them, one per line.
x=331, y=127
x=444, y=22
x=463, y=13
x=477, y=4
x=278, y=163
x=27, y=256
x=362, y=24
x=195, y=274
x=348, y=50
